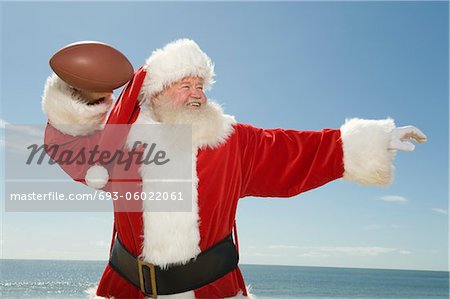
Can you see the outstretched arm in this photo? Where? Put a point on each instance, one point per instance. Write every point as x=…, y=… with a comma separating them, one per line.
x=282, y=163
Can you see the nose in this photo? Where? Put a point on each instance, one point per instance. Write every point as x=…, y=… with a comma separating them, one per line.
x=198, y=94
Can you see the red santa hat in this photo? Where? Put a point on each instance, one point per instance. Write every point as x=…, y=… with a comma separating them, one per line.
x=125, y=111
x=164, y=67
x=172, y=63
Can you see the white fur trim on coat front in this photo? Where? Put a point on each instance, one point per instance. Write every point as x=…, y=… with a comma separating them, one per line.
x=67, y=112
x=175, y=61
x=174, y=237
x=367, y=159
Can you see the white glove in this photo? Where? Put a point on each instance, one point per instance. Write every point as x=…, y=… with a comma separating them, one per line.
x=401, y=138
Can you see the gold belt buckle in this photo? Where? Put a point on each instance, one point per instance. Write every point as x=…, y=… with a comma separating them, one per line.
x=152, y=277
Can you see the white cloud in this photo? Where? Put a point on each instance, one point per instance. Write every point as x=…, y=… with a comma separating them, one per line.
x=28, y=131
x=260, y=254
x=45, y=253
x=283, y=247
x=361, y=250
x=314, y=254
x=325, y=251
x=440, y=211
x=21, y=136
x=393, y=199
x=3, y=123
x=2, y=136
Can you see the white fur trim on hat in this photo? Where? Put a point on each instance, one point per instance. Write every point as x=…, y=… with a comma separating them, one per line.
x=67, y=112
x=96, y=177
x=172, y=63
x=367, y=159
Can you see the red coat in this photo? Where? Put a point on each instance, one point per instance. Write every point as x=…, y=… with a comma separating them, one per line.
x=252, y=162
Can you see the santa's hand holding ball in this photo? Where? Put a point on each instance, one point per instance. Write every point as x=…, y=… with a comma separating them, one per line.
x=193, y=254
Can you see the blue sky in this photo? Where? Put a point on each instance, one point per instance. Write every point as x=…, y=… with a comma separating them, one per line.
x=299, y=65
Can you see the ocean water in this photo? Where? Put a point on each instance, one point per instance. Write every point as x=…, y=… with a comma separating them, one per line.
x=69, y=279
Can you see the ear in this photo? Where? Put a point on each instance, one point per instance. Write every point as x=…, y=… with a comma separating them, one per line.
x=154, y=99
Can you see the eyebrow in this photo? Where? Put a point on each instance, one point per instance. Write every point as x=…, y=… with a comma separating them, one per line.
x=187, y=82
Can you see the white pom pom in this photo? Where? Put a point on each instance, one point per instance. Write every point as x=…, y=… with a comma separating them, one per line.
x=96, y=177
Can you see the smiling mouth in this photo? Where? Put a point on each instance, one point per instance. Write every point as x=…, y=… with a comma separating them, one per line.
x=194, y=104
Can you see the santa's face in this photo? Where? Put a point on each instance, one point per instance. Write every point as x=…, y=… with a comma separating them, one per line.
x=186, y=93
x=185, y=103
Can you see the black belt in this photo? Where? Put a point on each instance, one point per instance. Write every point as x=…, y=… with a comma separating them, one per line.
x=207, y=267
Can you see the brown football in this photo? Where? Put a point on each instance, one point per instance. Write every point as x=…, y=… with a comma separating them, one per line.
x=92, y=66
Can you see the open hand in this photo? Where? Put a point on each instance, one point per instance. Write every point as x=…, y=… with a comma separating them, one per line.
x=401, y=138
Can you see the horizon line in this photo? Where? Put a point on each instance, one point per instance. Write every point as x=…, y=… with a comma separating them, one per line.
x=251, y=264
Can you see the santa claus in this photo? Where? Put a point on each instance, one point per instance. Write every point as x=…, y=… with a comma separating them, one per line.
x=193, y=254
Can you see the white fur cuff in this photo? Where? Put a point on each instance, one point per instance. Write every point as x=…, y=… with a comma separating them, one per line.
x=68, y=113
x=367, y=159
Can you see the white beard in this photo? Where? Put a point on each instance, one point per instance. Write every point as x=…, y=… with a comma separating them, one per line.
x=210, y=126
